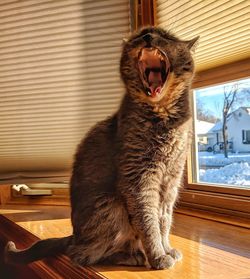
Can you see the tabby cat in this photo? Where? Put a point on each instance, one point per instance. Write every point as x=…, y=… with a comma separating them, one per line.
x=129, y=167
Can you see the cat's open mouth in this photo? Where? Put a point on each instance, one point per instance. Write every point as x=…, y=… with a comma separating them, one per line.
x=154, y=68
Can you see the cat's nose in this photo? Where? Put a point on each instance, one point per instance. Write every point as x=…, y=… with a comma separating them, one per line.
x=147, y=38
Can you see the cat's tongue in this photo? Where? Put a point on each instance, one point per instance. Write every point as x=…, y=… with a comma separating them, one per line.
x=155, y=82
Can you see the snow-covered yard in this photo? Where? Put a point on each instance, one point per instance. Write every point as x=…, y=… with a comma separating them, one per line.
x=218, y=160
x=234, y=170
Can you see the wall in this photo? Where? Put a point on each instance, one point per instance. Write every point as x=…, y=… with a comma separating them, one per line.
x=235, y=125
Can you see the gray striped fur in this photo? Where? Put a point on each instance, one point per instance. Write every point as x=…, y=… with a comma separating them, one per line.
x=128, y=169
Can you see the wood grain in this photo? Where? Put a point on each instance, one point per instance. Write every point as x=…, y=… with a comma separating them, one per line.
x=50, y=268
x=221, y=74
x=230, y=202
x=4, y=194
x=211, y=249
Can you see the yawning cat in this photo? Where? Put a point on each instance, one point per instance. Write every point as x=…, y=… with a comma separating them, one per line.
x=129, y=167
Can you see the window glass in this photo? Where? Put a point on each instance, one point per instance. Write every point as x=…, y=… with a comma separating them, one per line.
x=222, y=129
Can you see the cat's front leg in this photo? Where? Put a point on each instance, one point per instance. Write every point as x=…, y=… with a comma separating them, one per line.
x=166, y=216
x=143, y=209
x=165, y=225
x=145, y=221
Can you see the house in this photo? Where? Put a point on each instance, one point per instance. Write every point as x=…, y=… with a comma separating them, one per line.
x=238, y=127
x=238, y=131
x=205, y=136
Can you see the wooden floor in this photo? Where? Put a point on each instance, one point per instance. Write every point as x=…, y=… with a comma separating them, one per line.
x=210, y=249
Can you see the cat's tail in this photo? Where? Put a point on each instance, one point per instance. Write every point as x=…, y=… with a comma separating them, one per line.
x=41, y=249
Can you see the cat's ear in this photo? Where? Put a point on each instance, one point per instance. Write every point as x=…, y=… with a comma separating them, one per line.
x=192, y=44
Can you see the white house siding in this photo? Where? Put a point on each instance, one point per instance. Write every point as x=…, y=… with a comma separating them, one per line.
x=215, y=134
x=240, y=120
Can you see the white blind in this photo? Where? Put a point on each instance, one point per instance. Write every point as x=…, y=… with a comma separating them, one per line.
x=59, y=74
x=223, y=27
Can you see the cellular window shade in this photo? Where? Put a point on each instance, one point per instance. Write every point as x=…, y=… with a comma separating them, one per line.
x=223, y=27
x=59, y=75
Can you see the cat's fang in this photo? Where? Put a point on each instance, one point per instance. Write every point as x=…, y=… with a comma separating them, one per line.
x=155, y=91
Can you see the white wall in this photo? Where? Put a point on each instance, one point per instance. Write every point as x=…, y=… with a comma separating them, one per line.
x=235, y=126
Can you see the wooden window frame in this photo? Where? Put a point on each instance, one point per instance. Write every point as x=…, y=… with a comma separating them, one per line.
x=142, y=13
x=210, y=197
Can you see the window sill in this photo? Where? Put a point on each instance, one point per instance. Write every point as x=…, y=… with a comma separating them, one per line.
x=208, y=214
x=59, y=197
x=214, y=200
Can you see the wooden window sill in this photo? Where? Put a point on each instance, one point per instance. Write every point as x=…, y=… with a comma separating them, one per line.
x=236, y=206
x=222, y=217
x=208, y=246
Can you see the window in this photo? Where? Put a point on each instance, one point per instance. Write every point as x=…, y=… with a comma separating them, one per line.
x=222, y=56
x=222, y=130
x=246, y=136
x=232, y=197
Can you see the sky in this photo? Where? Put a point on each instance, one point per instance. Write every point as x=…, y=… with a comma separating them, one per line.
x=212, y=97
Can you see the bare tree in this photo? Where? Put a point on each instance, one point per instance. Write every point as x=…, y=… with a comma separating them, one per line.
x=203, y=114
x=229, y=99
x=233, y=97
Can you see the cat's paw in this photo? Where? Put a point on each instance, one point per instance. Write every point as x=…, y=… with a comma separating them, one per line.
x=163, y=262
x=175, y=254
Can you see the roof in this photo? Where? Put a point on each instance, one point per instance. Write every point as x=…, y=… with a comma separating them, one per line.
x=218, y=125
x=203, y=127
x=216, y=128
x=247, y=109
x=233, y=113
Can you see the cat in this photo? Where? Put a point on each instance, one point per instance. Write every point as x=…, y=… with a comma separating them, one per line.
x=128, y=169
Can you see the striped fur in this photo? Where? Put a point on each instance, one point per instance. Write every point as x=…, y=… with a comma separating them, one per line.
x=128, y=169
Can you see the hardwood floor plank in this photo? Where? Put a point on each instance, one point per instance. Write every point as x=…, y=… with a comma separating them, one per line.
x=211, y=250
x=49, y=268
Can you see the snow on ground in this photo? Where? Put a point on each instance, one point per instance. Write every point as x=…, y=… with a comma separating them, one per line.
x=235, y=174
x=234, y=170
x=218, y=160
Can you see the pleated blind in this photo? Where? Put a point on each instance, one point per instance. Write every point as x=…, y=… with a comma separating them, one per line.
x=59, y=74
x=223, y=27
